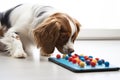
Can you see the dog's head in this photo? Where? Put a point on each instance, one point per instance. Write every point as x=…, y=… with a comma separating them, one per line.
x=60, y=31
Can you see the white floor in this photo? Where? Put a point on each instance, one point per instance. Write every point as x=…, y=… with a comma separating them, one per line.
x=34, y=68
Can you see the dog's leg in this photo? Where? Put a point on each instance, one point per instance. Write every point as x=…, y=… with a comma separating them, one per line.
x=14, y=45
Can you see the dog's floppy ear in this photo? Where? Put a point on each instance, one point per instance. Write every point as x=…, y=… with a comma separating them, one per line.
x=46, y=35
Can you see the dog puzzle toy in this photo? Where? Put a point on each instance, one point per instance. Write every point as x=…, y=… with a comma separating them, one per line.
x=81, y=63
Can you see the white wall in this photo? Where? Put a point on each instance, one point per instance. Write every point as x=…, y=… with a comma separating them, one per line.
x=99, y=34
x=92, y=14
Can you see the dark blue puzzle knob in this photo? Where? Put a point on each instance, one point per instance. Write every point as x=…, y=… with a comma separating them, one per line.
x=107, y=64
x=100, y=62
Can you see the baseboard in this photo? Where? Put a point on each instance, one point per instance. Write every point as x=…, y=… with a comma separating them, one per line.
x=99, y=34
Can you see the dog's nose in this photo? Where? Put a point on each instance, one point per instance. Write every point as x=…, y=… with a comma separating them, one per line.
x=70, y=50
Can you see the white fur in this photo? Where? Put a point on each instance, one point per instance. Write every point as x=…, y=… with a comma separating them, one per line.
x=69, y=44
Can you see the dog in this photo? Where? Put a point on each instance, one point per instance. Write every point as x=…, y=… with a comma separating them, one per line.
x=42, y=26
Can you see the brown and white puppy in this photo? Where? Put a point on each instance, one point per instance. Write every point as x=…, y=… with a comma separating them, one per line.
x=43, y=26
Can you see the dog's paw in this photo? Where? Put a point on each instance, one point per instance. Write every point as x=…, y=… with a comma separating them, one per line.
x=19, y=55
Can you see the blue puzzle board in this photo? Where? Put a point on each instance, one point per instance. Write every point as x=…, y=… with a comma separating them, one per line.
x=76, y=68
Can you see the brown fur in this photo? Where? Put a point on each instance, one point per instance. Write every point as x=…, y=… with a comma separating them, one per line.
x=54, y=32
